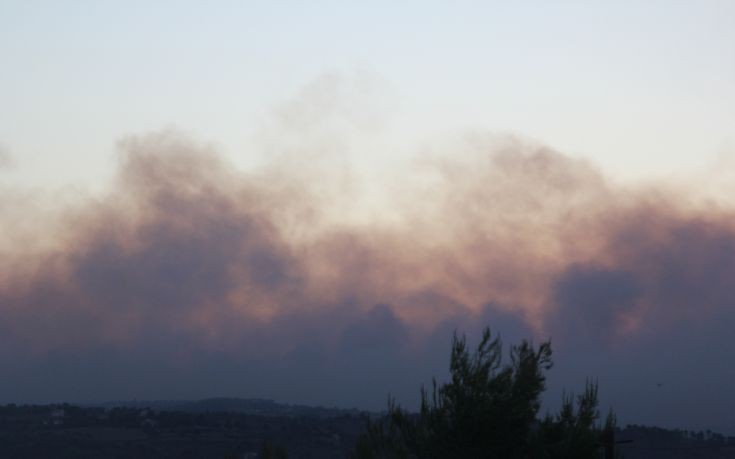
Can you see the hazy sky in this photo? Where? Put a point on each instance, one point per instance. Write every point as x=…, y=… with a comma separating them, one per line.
x=642, y=88
x=547, y=170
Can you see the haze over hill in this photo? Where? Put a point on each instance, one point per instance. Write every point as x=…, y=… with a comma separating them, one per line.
x=194, y=279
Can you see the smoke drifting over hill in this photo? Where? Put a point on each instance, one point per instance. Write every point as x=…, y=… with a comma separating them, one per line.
x=191, y=278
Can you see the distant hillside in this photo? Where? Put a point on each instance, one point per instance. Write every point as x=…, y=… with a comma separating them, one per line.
x=644, y=442
x=253, y=406
x=145, y=431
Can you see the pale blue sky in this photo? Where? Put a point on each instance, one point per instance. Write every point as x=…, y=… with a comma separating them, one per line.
x=643, y=88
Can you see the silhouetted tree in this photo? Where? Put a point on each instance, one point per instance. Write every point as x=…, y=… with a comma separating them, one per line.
x=488, y=410
x=573, y=433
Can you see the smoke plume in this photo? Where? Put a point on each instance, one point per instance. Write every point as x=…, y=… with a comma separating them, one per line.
x=190, y=278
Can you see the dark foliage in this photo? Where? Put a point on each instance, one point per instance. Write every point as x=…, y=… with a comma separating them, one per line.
x=489, y=409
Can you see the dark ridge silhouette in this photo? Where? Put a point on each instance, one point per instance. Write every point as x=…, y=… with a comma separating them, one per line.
x=86, y=432
x=256, y=406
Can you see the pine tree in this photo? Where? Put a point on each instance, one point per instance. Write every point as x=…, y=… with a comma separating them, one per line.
x=489, y=409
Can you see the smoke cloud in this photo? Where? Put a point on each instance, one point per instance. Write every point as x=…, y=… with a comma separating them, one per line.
x=190, y=278
x=6, y=159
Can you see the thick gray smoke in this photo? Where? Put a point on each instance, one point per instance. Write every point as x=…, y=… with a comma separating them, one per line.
x=192, y=279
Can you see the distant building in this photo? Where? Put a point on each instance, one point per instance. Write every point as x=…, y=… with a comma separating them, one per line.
x=57, y=417
x=149, y=424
